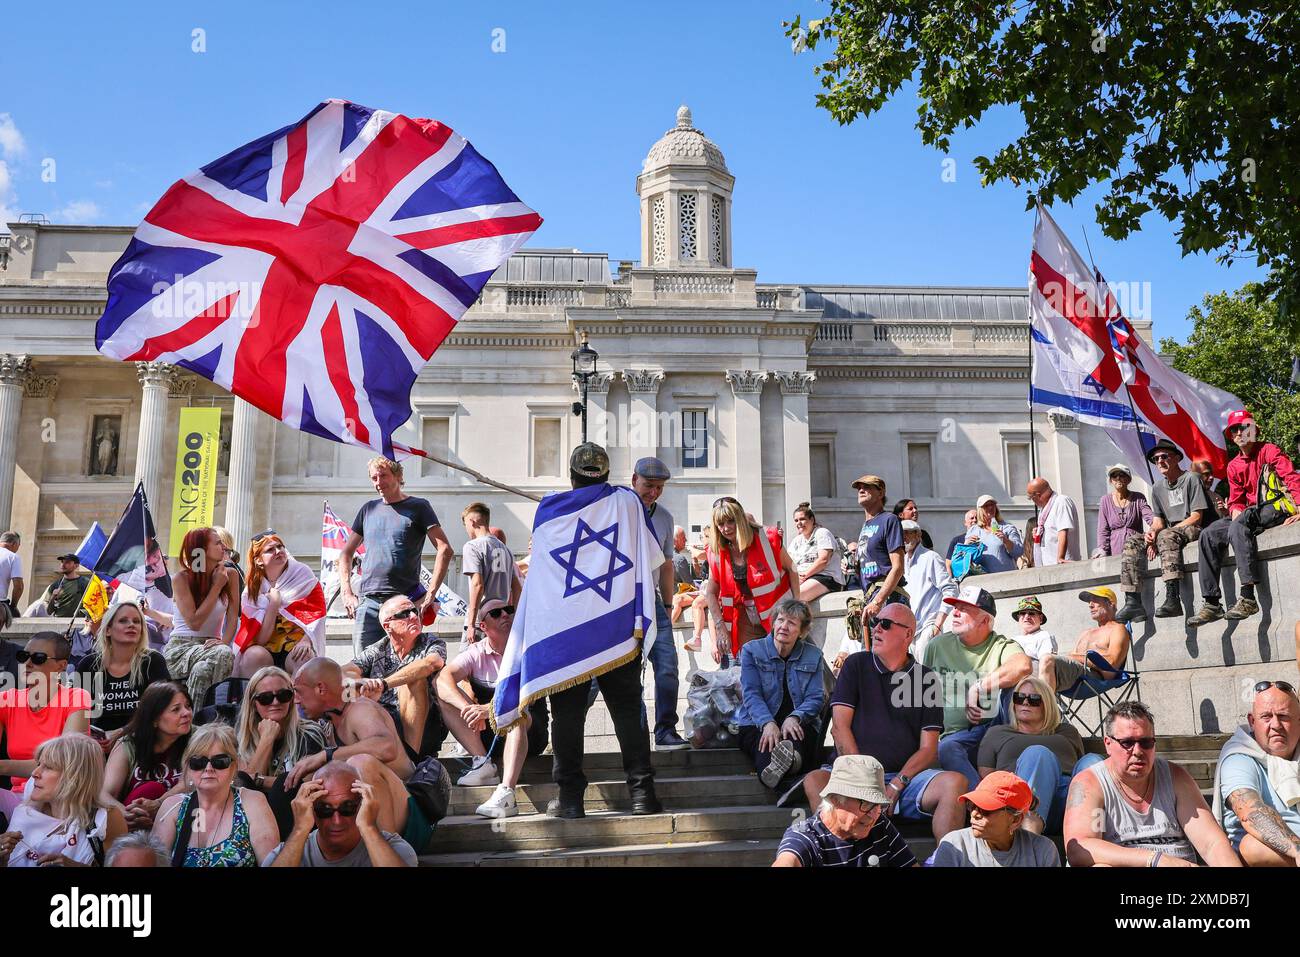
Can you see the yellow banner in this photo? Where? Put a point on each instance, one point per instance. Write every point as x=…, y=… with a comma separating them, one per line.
x=196, y=473
x=95, y=600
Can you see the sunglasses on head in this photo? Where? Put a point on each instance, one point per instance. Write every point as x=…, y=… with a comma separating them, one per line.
x=265, y=533
x=35, y=657
x=264, y=698
x=503, y=610
x=404, y=613
x=1034, y=699
x=725, y=498
x=1146, y=744
x=348, y=808
x=1260, y=686
x=219, y=762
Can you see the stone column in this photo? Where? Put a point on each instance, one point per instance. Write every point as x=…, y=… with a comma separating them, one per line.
x=643, y=412
x=14, y=370
x=241, y=481
x=155, y=380
x=746, y=438
x=795, y=387
x=1069, y=471
x=597, y=406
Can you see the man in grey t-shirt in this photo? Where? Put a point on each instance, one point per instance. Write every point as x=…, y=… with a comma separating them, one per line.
x=1181, y=508
x=487, y=563
x=996, y=837
x=345, y=814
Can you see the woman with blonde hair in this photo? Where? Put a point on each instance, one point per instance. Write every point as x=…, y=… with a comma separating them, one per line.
x=282, y=610
x=63, y=821
x=120, y=668
x=272, y=737
x=749, y=572
x=1038, y=746
x=217, y=824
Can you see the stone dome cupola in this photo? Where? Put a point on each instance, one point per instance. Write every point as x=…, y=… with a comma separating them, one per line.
x=685, y=189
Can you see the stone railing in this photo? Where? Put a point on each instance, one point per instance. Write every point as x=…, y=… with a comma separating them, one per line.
x=618, y=298
x=923, y=332
x=546, y=296
x=767, y=298
x=835, y=332
x=688, y=282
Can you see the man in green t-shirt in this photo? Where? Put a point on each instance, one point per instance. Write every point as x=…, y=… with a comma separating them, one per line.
x=973, y=665
x=63, y=597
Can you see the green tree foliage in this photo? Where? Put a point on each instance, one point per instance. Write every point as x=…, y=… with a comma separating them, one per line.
x=1235, y=346
x=1185, y=107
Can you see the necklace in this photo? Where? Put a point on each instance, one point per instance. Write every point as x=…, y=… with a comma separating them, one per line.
x=210, y=834
x=1132, y=795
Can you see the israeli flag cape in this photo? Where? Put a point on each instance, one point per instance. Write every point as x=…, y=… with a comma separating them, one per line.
x=588, y=600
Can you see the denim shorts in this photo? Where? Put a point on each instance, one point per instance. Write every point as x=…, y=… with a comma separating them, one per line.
x=909, y=802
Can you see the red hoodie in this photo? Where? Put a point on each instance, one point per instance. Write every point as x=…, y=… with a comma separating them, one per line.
x=1244, y=472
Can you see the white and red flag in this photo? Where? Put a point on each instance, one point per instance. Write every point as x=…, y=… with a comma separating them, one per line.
x=1089, y=361
x=315, y=270
x=302, y=603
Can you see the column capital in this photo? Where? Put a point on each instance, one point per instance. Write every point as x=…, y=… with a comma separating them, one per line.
x=41, y=386
x=1063, y=422
x=180, y=385
x=14, y=369
x=597, y=383
x=643, y=380
x=154, y=373
x=746, y=380
x=795, y=383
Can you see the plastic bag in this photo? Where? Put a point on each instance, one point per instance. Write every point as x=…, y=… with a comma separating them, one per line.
x=711, y=703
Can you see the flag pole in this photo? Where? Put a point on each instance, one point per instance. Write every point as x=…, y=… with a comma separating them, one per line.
x=1033, y=436
x=478, y=475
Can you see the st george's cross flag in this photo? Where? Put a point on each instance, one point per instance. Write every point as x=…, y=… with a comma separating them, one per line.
x=1090, y=362
x=588, y=604
x=315, y=270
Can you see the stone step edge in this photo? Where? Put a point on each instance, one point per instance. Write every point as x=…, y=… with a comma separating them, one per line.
x=523, y=857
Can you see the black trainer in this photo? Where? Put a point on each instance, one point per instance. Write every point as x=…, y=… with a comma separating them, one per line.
x=566, y=810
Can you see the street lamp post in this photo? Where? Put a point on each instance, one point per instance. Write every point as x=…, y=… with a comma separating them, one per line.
x=584, y=367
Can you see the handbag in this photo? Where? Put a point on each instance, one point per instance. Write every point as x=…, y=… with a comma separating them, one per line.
x=1273, y=504
x=430, y=785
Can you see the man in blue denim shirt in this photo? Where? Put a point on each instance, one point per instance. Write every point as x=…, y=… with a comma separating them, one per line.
x=780, y=713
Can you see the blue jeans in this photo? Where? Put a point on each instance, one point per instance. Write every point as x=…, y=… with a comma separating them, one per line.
x=1039, y=768
x=957, y=752
x=366, y=629
x=663, y=659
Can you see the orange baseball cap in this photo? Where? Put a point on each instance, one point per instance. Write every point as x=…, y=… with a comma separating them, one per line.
x=1001, y=789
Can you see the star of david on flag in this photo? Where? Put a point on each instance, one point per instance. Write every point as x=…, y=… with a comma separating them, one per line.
x=314, y=271
x=588, y=604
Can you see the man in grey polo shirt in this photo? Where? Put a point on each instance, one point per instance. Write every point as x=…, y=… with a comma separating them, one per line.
x=1182, y=508
x=649, y=476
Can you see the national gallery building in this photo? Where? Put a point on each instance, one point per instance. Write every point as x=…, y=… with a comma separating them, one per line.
x=776, y=394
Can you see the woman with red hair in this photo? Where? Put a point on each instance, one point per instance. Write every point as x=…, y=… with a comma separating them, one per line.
x=282, y=613
x=206, y=594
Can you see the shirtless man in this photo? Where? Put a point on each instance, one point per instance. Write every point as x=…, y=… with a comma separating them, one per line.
x=364, y=736
x=1110, y=639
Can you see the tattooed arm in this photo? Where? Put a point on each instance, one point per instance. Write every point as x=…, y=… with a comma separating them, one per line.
x=1264, y=824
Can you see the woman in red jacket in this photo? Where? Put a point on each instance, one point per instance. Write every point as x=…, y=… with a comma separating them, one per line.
x=749, y=572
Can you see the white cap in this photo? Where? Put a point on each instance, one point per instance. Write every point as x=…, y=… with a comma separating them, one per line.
x=983, y=499
x=910, y=526
x=1119, y=467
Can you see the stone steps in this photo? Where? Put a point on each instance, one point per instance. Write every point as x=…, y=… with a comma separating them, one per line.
x=723, y=790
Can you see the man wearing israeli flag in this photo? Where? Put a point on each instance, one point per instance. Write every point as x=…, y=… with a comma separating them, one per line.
x=587, y=610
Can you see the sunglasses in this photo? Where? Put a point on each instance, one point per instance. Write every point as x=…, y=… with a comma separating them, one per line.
x=219, y=762
x=265, y=698
x=1261, y=686
x=265, y=533
x=503, y=610
x=35, y=657
x=1146, y=744
x=404, y=613
x=886, y=624
x=1234, y=429
x=1163, y=457
x=1034, y=699
x=347, y=809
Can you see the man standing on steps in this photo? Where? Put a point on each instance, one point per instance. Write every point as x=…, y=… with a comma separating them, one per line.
x=1264, y=489
x=649, y=476
x=393, y=527
x=585, y=613
x=1180, y=510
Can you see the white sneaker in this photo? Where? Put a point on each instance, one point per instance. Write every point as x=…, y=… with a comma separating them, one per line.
x=457, y=750
x=500, y=804
x=482, y=773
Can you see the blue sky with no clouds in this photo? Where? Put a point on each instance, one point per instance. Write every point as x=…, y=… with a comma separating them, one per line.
x=124, y=106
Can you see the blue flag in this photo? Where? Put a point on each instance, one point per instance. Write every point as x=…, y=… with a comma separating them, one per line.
x=132, y=555
x=92, y=546
x=588, y=602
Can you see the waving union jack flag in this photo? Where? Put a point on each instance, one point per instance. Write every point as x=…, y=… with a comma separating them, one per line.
x=315, y=270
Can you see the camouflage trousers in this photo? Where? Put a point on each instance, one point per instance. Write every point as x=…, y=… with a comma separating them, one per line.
x=1169, y=549
x=854, y=608
x=199, y=667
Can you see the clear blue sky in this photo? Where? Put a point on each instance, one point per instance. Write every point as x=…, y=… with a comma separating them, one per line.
x=125, y=107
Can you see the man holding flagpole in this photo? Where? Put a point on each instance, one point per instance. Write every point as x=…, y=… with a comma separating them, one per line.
x=587, y=607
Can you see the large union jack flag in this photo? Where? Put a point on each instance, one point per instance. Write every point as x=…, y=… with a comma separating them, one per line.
x=315, y=270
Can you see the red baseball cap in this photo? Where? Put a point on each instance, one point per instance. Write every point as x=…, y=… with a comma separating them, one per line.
x=1001, y=789
x=1240, y=416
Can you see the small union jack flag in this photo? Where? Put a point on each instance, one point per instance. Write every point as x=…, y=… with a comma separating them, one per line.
x=315, y=270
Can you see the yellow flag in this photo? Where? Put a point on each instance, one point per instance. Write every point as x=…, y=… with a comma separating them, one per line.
x=95, y=601
x=196, y=473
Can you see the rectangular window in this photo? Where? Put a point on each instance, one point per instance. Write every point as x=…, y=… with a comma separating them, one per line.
x=546, y=447
x=435, y=438
x=695, y=438
x=920, y=478
x=819, y=459
x=1017, y=467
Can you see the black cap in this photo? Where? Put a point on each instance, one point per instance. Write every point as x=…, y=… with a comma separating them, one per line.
x=589, y=460
x=70, y=558
x=1164, y=445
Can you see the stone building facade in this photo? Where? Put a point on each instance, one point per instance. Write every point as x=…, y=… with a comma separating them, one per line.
x=774, y=393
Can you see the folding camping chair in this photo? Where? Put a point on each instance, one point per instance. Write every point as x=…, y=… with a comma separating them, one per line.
x=1117, y=687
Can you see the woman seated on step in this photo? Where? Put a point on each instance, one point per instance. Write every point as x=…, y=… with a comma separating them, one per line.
x=206, y=594
x=783, y=698
x=145, y=764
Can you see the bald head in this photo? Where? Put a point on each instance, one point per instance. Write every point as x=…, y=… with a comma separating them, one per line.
x=1275, y=722
x=339, y=771
x=1037, y=487
x=900, y=613
x=321, y=671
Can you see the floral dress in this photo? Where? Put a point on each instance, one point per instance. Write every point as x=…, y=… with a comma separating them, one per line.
x=235, y=851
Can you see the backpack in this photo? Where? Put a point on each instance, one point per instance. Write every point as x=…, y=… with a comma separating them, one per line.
x=222, y=702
